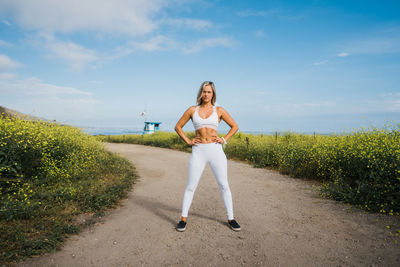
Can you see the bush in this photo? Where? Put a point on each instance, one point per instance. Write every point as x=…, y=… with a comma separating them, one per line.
x=48, y=174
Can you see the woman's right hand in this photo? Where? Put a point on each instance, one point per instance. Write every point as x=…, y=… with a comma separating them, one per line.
x=195, y=141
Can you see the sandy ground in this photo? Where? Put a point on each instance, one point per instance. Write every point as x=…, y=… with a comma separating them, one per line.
x=283, y=222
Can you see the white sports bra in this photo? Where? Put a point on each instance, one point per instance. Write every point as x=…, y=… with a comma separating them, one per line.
x=210, y=122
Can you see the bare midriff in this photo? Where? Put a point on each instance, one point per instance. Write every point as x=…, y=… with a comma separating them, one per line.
x=206, y=135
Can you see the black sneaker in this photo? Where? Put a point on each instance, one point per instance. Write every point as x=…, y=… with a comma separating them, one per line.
x=234, y=225
x=181, y=226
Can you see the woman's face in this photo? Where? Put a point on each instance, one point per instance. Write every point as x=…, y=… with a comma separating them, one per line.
x=207, y=94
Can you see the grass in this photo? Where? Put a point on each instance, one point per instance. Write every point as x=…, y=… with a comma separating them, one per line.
x=50, y=174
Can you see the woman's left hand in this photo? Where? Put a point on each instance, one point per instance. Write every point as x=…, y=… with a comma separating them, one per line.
x=217, y=139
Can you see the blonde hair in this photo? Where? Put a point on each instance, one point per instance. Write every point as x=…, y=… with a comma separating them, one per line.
x=214, y=97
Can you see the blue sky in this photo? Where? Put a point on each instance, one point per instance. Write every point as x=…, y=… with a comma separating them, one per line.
x=304, y=66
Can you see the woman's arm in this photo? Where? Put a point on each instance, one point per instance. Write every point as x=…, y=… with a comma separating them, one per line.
x=229, y=120
x=182, y=121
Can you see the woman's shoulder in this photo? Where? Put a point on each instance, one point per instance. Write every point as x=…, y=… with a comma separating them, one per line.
x=191, y=109
x=220, y=109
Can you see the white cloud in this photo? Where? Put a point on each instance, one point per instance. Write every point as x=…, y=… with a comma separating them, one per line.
x=186, y=23
x=49, y=101
x=6, y=63
x=5, y=44
x=72, y=54
x=392, y=102
x=119, y=52
x=343, y=54
x=164, y=43
x=126, y=17
x=291, y=18
x=67, y=110
x=379, y=104
x=156, y=43
x=7, y=76
x=259, y=92
x=134, y=19
x=378, y=45
x=96, y=82
x=75, y=55
x=34, y=87
x=277, y=12
x=312, y=104
x=204, y=43
x=385, y=102
x=252, y=13
x=298, y=109
x=336, y=106
x=382, y=40
x=6, y=22
x=393, y=105
x=320, y=62
x=259, y=34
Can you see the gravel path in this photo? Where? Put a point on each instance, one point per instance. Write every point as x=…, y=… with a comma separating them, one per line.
x=283, y=222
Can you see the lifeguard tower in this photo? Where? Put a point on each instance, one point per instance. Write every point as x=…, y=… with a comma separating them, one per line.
x=150, y=127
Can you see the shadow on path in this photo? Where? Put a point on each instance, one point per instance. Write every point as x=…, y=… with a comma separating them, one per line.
x=162, y=210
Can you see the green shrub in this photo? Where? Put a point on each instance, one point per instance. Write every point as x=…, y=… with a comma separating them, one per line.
x=49, y=173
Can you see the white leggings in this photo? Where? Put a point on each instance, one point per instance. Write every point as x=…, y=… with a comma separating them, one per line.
x=201, y=155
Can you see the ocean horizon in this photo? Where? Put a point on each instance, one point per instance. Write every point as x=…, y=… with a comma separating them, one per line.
x=127, y=130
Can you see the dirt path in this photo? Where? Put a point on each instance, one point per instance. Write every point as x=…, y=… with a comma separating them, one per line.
x=283, y=223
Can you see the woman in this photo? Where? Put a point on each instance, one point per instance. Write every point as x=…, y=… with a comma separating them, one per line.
x=207, y=148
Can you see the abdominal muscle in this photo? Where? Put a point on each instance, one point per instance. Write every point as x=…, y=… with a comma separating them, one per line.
x=206, y=135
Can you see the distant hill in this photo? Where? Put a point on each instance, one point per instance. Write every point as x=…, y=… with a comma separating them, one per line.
x=13, y=113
